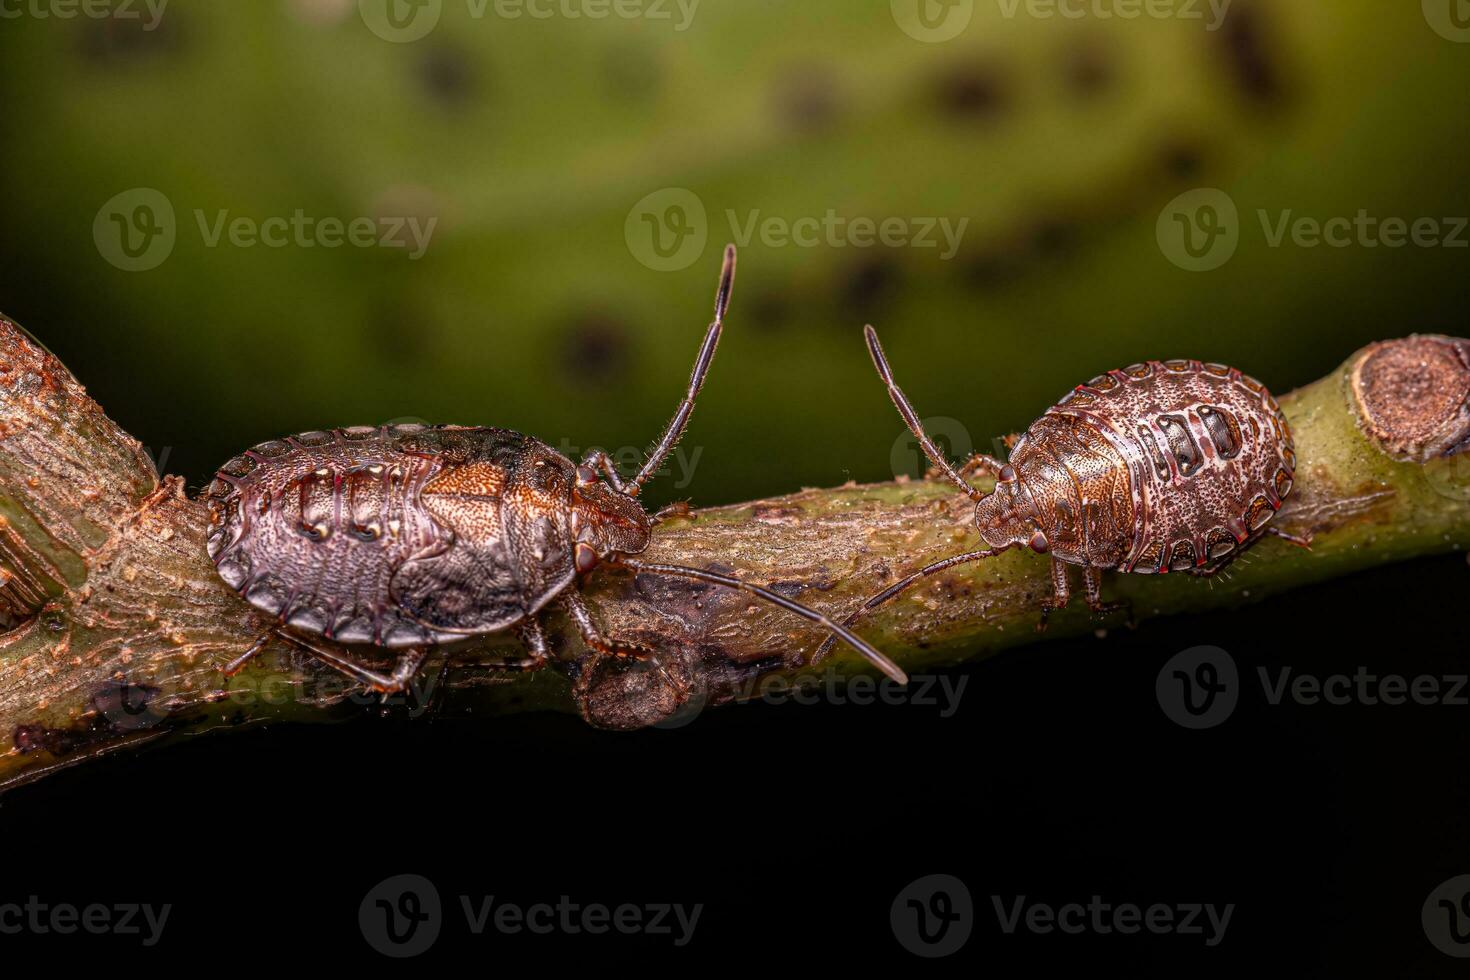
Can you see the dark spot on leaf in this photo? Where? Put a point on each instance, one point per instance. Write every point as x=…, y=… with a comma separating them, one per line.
x=1181, y=160
x=991, y=268
x=448, y=76
x=971, y=93
x=116, y=41
x=1088, y=71
x=807, y=100
x=770, y=310
x=398, y=333
x=1247, y=49
x=1053, y=237
x=869, y=284
x=595, y=349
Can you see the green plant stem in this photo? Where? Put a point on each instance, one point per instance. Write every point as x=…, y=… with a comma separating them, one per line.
x=121, y=625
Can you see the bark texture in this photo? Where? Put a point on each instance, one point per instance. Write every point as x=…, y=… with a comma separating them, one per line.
x=117, y=624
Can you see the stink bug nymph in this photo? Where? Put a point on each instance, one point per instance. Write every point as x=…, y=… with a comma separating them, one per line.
x=410, y=537
x=1162, y=466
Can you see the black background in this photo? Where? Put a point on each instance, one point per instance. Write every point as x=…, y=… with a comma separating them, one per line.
x=1058, y=778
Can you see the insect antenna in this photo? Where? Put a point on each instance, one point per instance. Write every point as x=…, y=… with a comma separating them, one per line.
x=911, y=417
x=837, y=630
x=675, y=429
x=904, y=583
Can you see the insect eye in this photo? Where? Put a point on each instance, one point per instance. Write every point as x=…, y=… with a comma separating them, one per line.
x=1007, y=473
x=586, y=475
x=1039, y=543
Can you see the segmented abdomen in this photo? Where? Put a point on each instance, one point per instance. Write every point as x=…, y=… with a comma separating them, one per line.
x=1209, y=451
x=311, y=529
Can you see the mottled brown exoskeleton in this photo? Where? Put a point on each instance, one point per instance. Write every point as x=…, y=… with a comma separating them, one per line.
x=1162, y=466
x=409, y=537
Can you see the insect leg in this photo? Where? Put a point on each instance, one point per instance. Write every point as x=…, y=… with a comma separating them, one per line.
x=911, y=418
x=534, y=637
x=1300, y=540
x=676, y=425
x=531, y=635
x=1220, y=564
x=235, y=666
x=899, y=586
x=981, y=463
x=874, y=657
x=598, y=459
x=576, y=607
x=679, y=508
x=1092, y=580
x=1061, y=593
x=404, y=670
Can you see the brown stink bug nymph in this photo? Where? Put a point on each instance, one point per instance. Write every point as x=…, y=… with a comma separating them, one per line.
x=411, y=537
x=1162, y=466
